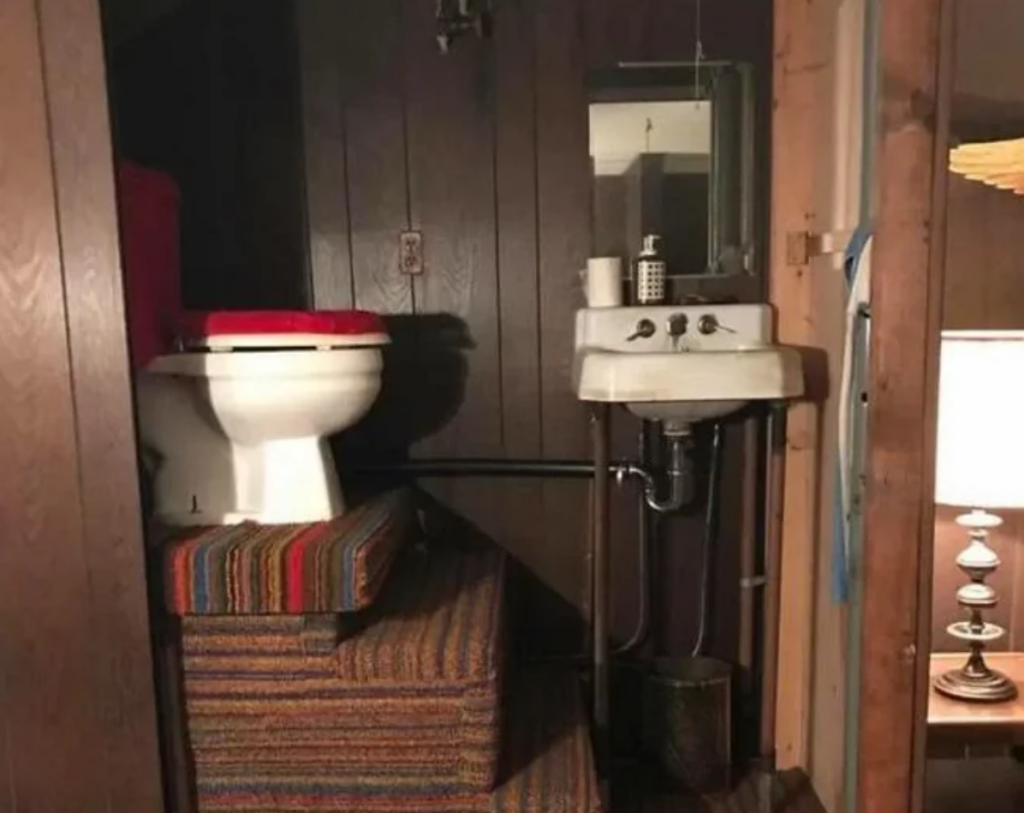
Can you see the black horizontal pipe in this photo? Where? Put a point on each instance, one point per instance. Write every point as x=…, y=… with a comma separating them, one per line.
x=484, y=467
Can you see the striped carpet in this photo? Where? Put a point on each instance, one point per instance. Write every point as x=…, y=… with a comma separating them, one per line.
x=546, y=768
x=322, y=567
x=413, y=693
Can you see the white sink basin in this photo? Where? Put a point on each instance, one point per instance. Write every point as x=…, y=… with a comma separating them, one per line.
x=682, y=364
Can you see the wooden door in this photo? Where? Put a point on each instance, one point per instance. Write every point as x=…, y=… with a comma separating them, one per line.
x=78, y=727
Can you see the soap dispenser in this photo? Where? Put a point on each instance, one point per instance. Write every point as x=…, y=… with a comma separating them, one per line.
x=650, y=272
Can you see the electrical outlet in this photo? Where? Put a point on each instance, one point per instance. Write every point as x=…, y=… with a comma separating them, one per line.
x=410, y=253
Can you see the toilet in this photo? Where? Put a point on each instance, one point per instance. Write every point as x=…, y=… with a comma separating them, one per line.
x=236, y=424
x=235, y=408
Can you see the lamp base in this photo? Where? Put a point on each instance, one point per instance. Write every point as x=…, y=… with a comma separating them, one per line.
x=976, y=685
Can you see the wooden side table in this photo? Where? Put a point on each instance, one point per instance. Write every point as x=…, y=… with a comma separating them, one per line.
x=959, y=729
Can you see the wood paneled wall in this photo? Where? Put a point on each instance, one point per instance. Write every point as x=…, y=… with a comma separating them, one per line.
x=984, y=290
x=77, y=706
x=485, y=151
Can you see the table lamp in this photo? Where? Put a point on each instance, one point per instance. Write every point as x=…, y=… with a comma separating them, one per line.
x=979, y=466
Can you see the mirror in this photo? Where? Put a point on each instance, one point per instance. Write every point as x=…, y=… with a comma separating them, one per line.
x=671, y=151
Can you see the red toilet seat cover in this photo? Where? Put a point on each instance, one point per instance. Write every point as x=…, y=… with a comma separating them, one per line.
x=198, y=325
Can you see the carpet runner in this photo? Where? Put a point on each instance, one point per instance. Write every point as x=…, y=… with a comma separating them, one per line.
x=415, y=692
x=546, y=767
x=323, y=567
x=346, y=668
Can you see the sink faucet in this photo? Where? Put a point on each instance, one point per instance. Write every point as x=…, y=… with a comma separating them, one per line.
x=644, y=330
x=677, y=325
x=709, y=324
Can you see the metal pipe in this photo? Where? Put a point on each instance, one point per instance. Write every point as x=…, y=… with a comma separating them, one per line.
x=567, y=469
x=710, y=533
x=602, y=575
x=500, y=467
x=678, y=450
x=748, y=550
x=485, y=467
x=644, y=545
x=776, y=471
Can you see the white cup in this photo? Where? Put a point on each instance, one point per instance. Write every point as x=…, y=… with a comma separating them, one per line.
x=602, y=282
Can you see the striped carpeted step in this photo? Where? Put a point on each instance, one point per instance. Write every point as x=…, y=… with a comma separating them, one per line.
x=322, y=567
x=546, y=768
x=415, y=692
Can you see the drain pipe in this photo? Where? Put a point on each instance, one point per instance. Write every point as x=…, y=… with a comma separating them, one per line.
x=680, y=441
x=601, y=561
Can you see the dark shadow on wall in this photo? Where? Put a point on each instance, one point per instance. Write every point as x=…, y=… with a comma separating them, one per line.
x=423, y=387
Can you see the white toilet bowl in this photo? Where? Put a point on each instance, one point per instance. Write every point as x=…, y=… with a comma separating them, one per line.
x=238, y=424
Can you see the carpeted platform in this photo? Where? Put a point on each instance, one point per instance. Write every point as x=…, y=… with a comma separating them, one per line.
x=546, y=767
x=415, y=693
x=324, y=567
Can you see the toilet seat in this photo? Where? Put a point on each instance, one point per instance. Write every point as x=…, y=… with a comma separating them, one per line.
x=281, y=329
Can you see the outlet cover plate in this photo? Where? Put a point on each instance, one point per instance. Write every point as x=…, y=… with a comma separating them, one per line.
x=410, y=253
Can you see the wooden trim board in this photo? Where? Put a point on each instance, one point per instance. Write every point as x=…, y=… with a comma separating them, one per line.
x=815, y=190
x=794, y=134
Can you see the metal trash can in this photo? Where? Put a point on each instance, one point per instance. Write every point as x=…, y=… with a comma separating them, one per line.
x=688, y=721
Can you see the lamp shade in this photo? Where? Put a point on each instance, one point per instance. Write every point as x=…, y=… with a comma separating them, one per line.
x=980, y=451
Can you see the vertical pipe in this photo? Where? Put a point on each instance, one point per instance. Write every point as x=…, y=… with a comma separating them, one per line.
x=708, y=544
x=776, y=470
x=748, y=547
x=601, y=577
x=644, y=567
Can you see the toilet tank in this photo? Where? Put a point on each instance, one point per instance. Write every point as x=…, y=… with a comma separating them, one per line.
x=148, y=210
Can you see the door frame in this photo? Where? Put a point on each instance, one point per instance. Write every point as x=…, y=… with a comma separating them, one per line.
x=77, y=691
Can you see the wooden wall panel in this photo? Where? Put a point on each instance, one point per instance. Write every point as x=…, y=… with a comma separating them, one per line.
x=76, y=690
x=984, y=283
x=119, y=634
x=515, y=122
x=563, y=214
x=320, y=26
x=485, y=151
x=44, y=697
x=984, y=290
x=450, y=131
x=375, y=150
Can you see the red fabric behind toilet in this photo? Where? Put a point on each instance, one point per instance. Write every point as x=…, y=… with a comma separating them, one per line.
x=148, y=204
x=200, y=325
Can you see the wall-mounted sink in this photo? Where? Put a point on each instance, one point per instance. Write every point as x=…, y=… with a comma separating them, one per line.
x=682, y=364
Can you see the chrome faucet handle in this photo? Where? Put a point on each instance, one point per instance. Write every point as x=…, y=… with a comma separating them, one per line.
x=677, y=325
x=708, y=324
x=644, y=330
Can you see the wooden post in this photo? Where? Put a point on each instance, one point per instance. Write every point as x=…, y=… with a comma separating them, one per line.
x=905, y=316
x=797, y=108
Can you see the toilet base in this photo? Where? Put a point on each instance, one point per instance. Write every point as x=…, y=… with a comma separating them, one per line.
x=281, y=482
x=296, y=482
